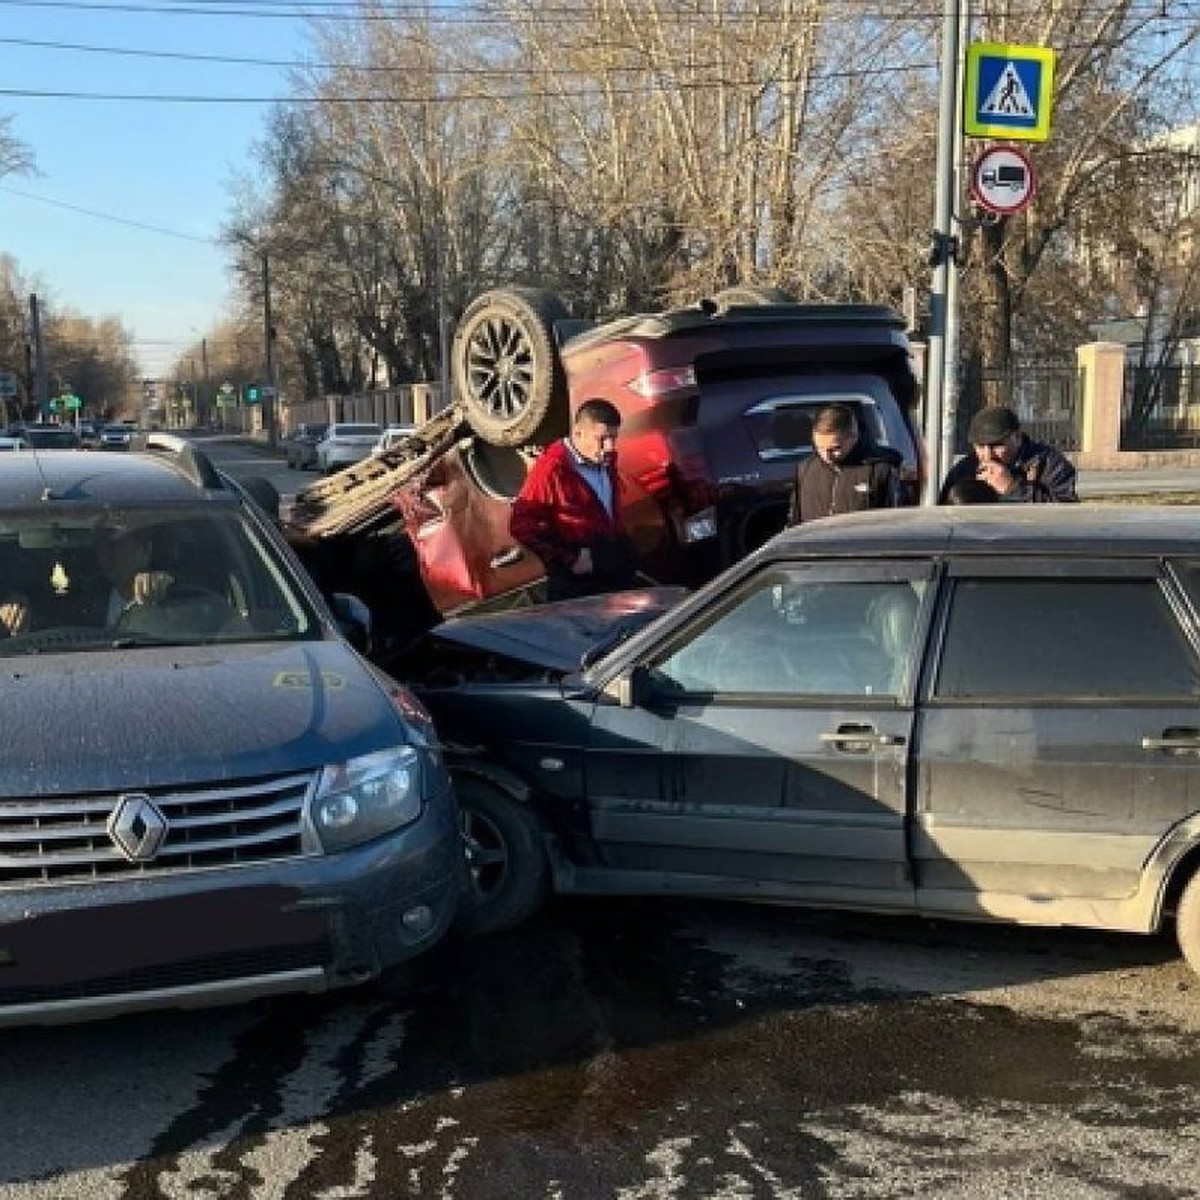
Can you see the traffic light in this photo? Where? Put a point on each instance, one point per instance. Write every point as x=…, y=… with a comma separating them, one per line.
x=253, y=393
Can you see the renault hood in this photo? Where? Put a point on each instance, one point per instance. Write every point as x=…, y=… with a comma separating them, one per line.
x=86, y=722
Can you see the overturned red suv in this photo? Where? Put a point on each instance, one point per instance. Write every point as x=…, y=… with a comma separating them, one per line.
x=716, y=402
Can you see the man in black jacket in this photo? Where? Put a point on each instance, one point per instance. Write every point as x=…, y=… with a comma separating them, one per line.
x=1011, y=463
x=843, y=474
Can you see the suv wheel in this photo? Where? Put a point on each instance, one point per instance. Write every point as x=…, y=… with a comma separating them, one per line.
x=507, y=369
x=507, y=871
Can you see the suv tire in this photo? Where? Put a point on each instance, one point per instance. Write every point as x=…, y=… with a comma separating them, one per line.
x=506, y=366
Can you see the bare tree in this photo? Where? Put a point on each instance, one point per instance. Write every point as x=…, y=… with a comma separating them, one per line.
x=627, y=155
x=16, y=158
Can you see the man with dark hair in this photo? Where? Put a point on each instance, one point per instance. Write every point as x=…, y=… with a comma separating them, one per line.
x=1011, y=463
x=843, y=474
x=568, y=510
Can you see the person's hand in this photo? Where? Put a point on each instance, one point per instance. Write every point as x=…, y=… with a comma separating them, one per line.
x=14, y=614
x=149, y=587
x=997, y=476
x=583, y=563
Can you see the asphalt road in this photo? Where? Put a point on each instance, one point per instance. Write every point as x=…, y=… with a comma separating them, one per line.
x=641, y=1050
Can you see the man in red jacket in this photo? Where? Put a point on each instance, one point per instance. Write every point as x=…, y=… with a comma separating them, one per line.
x=568, y=511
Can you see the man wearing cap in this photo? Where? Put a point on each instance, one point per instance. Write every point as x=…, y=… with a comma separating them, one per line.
x=1011, y=463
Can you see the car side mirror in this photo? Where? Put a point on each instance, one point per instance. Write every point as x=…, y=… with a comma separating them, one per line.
x=265, y=494
x=354, y=620
x=631, y=688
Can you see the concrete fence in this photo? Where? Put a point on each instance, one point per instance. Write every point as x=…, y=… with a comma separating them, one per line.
x=411, y=404
x=1102, y=372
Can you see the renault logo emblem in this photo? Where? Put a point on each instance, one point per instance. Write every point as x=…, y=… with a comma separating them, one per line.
x=136, y=827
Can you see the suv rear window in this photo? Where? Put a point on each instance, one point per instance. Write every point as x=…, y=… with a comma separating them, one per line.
x=781, y=426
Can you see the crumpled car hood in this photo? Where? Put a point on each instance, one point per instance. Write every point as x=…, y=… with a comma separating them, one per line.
x=86, y=722
x=556, y=636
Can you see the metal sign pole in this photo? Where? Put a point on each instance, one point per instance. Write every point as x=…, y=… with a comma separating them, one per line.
x=943, y=258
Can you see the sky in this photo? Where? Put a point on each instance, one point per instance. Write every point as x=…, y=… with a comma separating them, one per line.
x=120, y=219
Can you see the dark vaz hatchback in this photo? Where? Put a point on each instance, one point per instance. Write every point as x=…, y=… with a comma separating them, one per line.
x=986, y=714
x=206, y=794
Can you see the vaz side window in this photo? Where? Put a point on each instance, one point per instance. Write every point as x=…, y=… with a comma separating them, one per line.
x=791, y=636
x=1086, y=638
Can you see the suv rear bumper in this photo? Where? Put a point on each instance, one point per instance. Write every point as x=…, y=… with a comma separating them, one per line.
x=191, y=939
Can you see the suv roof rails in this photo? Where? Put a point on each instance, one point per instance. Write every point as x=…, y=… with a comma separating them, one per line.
x=192, y=462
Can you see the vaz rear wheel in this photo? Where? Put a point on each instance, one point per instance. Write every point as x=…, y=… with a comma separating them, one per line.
x=1187, y=922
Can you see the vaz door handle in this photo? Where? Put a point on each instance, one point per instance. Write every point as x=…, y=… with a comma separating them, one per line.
x=861, y=737
x=1181, y=738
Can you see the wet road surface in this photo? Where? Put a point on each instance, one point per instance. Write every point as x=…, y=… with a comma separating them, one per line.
x=645, y=1049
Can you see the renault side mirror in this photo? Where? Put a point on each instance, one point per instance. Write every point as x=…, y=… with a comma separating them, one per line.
x=354, y=620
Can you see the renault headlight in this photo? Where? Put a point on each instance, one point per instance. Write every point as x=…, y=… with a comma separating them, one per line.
x=367, y=797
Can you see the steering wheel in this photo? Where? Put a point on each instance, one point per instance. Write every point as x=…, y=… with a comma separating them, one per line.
x=184, y=611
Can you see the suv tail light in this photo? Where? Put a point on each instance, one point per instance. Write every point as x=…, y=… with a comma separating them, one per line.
x=663, y=381
x=689, y=469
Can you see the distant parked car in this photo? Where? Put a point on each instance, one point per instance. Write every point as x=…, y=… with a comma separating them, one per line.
x=300, y=446
x=116, y=437
x=345, y=444
x=391, y=436
x=89, y=435
x=51, y=437
x=12, y=442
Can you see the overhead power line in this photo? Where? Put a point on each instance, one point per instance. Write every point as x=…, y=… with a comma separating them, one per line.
x=446, y=70
x=548, y=15
x=101, y=216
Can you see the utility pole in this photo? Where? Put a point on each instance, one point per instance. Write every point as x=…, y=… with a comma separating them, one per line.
x=207, y=417
x=941, y=375
x=41, y=386
x=269, y=400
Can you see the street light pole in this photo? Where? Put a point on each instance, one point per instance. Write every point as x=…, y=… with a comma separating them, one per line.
x=41, y=388
x=269, y=399
x=204, y=383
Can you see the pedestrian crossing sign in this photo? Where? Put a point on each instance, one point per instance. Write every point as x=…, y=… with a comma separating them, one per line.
x=1008, y=92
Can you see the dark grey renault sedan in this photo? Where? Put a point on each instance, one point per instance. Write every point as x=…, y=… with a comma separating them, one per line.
x=988, y=714
x=206, y=794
